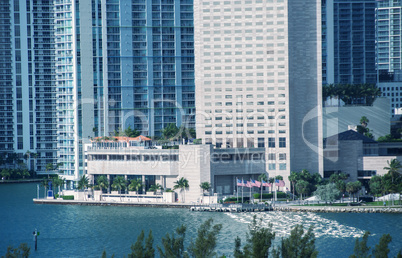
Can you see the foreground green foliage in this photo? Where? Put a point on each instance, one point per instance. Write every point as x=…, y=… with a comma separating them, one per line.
x=259, y=239
x=205, y=244
x=259, y=243
x=380, y=250
x=298, y=244
x=141, y=249
x=172, y=245
x=22, y=251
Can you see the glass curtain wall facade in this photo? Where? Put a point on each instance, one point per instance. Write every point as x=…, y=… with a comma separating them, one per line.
x=150, y=64
x=71, y=70
x=348, y=41
x=27, y=93
x=389, y=51
x=389, y=28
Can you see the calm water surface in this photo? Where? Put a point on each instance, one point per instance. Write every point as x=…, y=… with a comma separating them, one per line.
x=85, y=231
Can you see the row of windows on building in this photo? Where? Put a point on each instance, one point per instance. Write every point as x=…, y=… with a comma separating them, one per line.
x=119, y=157
x=215, y=157
x=261, y=143
x=250, y=103
x=248, y=96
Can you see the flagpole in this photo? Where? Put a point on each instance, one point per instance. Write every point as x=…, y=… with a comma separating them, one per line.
x=250, y=190
x=237, y=190
x=242, y=185
x=261, y=190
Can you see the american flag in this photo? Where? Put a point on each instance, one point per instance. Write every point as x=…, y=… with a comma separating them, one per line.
x=265, y=183
x=239, y=182
x=247, y=184
x=255, y=183
x=279, y=183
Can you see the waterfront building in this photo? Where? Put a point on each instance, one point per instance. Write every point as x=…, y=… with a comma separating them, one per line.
x=258, y=79
x=130, y=65
x=348, y=41
x=389, y=49
x=72, y=70
x=358, y=156
x=134, y=159
x=28, y=81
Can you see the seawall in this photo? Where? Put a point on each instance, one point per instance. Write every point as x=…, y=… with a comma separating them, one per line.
x=104, y=203
x=22, y=181
x=344, y=209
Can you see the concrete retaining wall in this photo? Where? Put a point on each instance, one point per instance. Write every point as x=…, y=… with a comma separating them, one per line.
x=338, y=209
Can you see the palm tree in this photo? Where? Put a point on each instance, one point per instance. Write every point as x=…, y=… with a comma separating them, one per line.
x=58, y=182
x=182, y=183
x=393, y=168
x=103, y=183
x=364, y=121
x=271, y=181
x=293, y=180
x=27, y=157
x=49, y=166
x=262, y=177
x=155, y=188
x=205, y=186
x=35, y=157
x=45, y=183
x=135, y=185
x=119, y=183
x=353, y=188
x=302, y=187
x=83, y=183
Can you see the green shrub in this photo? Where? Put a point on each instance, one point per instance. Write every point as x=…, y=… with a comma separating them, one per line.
x=279, y=195
x=56, y=196
x=68, y=197
x=174, y=147
x=96, y=187
x=235, y=200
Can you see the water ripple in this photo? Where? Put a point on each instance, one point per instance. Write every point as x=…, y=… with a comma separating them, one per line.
x=283, y=222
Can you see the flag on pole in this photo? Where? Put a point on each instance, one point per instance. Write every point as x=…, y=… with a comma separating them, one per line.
x=279, y=183
x=255, y=183
x=247, y=184
x=239, y=182
x=265, y=183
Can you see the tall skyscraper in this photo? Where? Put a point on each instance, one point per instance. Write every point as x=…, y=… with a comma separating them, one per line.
x=389, y=50
x=348, y=36
x=258, y=79
x=27, y=92
x=72, y=70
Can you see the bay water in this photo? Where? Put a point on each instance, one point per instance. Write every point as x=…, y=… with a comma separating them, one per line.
x=86, y=231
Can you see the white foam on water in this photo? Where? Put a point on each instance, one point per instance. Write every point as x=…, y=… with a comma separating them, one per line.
x=283, y=222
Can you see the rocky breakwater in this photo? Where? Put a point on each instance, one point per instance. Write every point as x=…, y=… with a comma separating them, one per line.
x=344, y=209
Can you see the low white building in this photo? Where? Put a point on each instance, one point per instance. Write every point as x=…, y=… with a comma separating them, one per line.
x=196, y=163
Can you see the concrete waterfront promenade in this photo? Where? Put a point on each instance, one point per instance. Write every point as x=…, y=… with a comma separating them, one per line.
x=112, y=203
x=223, y=208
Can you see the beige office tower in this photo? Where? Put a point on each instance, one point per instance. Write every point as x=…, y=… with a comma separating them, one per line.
x=258, y=79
